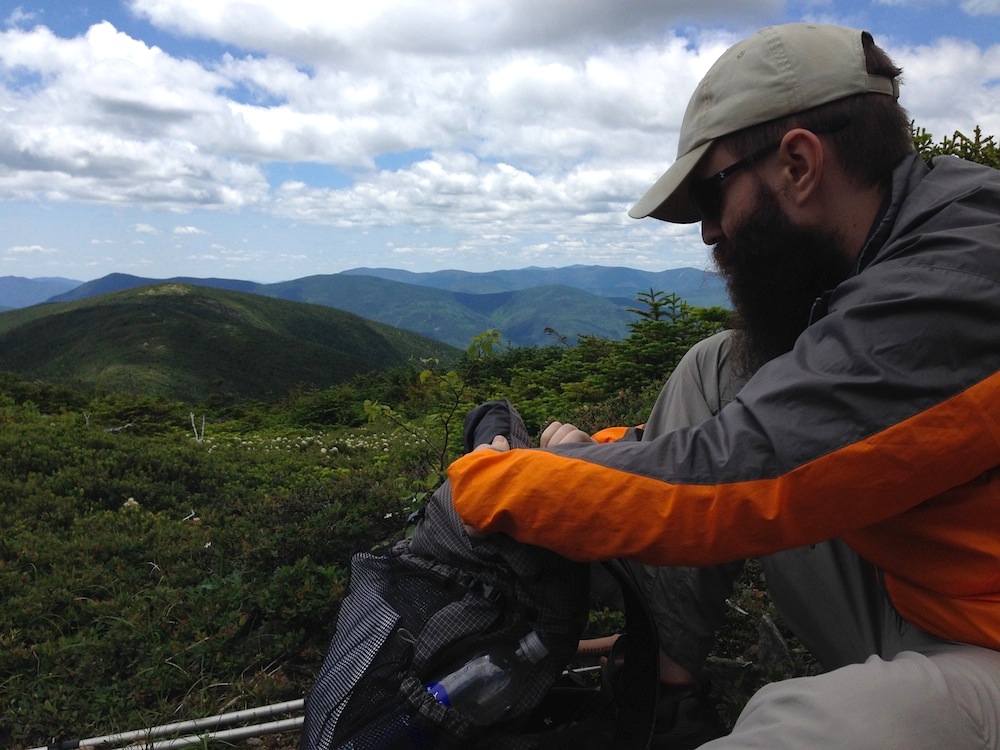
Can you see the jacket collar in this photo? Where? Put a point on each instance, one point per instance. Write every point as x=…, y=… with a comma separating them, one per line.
x=907, y=174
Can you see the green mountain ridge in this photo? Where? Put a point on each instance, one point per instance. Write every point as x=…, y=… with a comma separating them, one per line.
x=695, y=286
x=189, y=342
x=456, y=317
x=454, y=306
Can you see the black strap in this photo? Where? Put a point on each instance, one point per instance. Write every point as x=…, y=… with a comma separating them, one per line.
x=486, y=421
x=641, y=671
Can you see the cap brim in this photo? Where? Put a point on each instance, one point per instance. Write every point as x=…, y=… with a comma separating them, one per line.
x=668, y=199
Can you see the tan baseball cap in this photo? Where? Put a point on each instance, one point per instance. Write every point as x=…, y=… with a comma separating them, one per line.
x=777, y=72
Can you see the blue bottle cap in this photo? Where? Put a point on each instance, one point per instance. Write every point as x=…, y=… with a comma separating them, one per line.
x=440, y=694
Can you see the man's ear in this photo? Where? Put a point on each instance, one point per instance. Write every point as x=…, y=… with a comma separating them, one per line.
x=802, y=163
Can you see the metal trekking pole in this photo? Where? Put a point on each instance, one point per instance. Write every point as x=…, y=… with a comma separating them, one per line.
x=240, y=733
x=209, y=723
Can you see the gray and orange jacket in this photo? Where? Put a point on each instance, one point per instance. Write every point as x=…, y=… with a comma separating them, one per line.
x=880, y=427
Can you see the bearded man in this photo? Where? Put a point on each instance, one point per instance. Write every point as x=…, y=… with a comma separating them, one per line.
x=861, y=459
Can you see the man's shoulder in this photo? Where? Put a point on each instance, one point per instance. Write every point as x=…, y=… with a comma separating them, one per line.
x=943, y=215
x=944, y=187
x=956, y=165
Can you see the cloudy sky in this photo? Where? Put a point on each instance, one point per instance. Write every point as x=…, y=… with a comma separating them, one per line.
x=274, y=139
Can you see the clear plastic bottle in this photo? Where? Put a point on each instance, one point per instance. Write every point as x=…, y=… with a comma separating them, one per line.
x=484, y=688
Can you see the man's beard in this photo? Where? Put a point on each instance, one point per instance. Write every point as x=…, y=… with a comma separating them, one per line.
x=774, y=272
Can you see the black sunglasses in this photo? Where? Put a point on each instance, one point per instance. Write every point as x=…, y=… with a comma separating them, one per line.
x=706, y=193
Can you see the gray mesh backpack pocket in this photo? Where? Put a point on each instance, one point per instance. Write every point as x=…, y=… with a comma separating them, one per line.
x=427, y=603
x=368, y=694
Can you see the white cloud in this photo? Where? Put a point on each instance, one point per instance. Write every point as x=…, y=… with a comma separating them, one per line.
x=981, y=7
x=117, y=121
x=528, y=132
x=20, y=17
x=188, y=230
x=145, y=229
x=951, y=85
x=372, y=32
x=30, y=250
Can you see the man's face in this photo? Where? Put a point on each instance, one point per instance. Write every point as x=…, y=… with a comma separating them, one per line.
x=774, y=270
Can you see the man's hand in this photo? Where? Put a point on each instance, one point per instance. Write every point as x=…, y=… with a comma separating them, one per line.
x=499, y=444
x=558, y=433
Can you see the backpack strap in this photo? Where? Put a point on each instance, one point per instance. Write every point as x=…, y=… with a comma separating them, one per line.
x=636, y=712
x=621, y=714
x=640, y=682
x=492, y=418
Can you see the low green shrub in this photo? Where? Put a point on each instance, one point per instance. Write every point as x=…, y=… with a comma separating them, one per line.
x=152, y=575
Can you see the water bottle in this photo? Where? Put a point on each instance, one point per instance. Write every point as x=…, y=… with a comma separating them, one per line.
x=484, y=688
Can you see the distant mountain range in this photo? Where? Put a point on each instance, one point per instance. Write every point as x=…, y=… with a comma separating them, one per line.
x=450, y=306
x=697, y=287
x=189, y=342
x=16, y=291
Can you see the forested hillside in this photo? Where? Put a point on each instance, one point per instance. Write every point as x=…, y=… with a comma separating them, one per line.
x=193, y=342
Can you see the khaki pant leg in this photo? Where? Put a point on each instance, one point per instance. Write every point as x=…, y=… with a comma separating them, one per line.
x=701, y=384
x=833, y=602
x=946, y=698
x=689, y=604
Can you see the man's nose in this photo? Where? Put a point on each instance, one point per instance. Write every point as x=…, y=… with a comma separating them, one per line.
x=711, y=231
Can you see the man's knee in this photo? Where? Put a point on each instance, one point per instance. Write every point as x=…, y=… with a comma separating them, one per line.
x=912, y=701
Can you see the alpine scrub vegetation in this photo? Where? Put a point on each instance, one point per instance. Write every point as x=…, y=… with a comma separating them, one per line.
x=147, y=576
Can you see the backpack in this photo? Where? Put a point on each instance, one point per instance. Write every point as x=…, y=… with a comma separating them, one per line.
x=437, y=598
